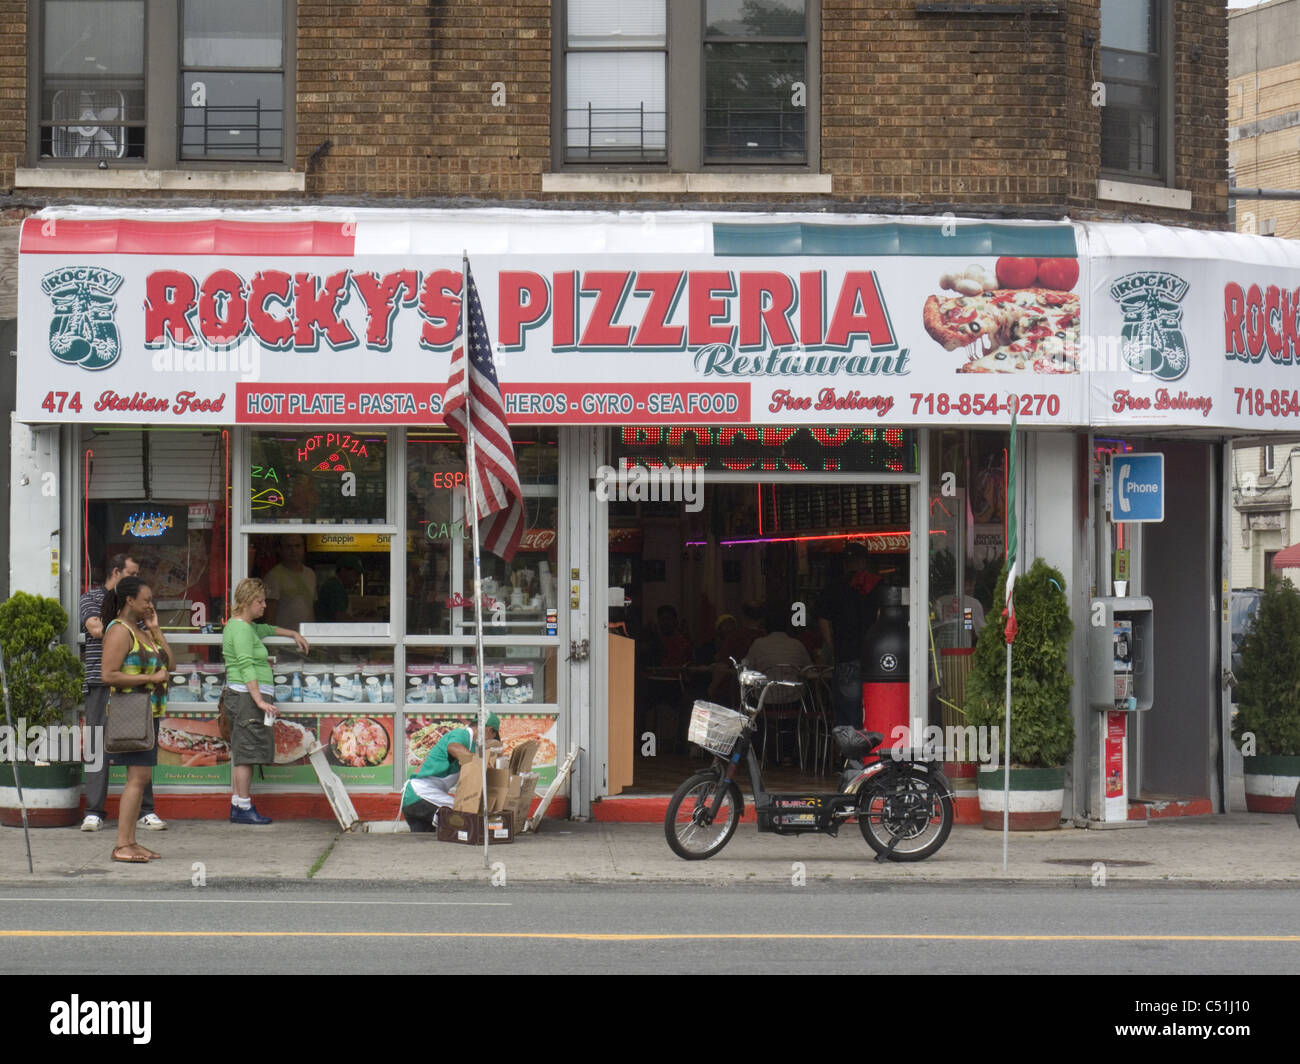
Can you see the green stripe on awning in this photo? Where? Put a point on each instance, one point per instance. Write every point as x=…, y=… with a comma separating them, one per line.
x=893, y=238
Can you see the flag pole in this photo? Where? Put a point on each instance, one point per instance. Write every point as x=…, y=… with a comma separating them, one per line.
x=478, y=571
x=1013, y=550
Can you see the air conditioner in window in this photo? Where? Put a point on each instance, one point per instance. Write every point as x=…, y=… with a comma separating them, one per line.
x=79, y=132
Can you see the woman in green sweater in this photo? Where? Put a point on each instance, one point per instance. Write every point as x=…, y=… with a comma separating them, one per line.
x=248, y=677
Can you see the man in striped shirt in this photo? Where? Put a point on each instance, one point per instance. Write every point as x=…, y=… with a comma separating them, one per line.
x=96, y=697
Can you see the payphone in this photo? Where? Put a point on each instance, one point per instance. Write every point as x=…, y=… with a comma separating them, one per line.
x=1120, y=682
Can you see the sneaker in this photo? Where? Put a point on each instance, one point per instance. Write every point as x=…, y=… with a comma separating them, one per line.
x=247, y=816
x=153, y=822
x=92, y=822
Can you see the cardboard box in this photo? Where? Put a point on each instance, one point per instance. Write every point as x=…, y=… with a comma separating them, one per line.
x=469, y=790
x=457, y=826
x=523, y=784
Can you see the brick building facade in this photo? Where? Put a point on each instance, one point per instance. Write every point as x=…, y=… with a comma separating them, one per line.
x=922, y=107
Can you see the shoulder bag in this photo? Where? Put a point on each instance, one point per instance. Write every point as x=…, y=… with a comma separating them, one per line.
x=129, y=728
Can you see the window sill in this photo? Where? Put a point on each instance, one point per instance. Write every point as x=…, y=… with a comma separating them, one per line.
x=804, y=184
x=161, y=180
x=1175, y=199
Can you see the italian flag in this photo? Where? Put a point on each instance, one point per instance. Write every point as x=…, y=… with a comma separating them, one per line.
x=1013, y=543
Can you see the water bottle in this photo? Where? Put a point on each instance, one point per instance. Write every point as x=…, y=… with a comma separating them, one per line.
x=295, y=688
x=462, y=689
x=195, y=688
x=388, y=688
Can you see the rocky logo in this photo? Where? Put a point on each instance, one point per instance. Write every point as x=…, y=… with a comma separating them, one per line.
x=1152, y=338
x=82, y=329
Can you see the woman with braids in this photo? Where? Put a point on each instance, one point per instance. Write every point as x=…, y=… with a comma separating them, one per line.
x=131, y=659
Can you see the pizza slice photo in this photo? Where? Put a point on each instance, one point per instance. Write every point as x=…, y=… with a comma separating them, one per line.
x=1015, y=321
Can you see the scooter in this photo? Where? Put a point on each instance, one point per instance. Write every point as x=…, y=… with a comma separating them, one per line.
x=902, y=803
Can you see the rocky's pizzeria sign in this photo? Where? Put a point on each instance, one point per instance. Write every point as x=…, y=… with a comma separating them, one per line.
x=727, y=312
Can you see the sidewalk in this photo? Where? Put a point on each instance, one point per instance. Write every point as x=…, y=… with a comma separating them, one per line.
x=1239, y=849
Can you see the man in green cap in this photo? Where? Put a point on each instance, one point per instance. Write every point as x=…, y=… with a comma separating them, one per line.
x=433, y=787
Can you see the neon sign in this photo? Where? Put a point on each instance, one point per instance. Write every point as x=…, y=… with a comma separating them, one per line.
x=148, y=526
x=768, y=448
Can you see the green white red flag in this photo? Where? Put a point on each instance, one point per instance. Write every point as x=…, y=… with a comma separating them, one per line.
x=1013, y=538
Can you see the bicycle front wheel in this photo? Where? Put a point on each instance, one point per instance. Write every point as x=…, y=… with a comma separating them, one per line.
x=908, y=808
x=693, y=829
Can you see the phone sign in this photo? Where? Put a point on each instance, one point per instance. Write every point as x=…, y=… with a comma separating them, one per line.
x=1135, y=488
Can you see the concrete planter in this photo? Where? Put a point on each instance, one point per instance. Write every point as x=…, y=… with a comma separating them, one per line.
x=1037, y=796
x=1271, y=783
x=52, y=794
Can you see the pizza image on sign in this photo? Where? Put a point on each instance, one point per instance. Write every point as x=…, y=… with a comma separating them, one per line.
x=1024, y=318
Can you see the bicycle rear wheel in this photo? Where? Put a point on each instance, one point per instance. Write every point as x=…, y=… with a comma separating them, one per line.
x=908, y=807
x=693, y=833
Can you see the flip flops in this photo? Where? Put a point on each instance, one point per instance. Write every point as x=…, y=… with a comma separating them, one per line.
x=125, y=856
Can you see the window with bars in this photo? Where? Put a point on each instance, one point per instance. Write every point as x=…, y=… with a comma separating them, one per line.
x=217, y=75
x=684, y=84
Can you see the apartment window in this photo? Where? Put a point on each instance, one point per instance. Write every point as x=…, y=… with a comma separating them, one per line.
x=232, y=79
x=1268, y=459
x=683, y=84
x=92, y=79
x=1137, y=72
x=157, y=82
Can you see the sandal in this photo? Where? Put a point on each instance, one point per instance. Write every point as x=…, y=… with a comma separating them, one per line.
x=149, y=853
x=130, y=858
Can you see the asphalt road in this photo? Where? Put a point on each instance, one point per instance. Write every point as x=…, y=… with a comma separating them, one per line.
x=851, y=929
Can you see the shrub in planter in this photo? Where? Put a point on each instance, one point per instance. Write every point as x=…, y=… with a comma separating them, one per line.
x=1042, y=729
x=44, y=680
x=1267, y=724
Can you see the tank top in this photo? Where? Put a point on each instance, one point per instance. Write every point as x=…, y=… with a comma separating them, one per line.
x=142, y=659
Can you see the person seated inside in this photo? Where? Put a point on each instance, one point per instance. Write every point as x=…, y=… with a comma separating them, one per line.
x=333, y=603
x=779, y=656
x=673, y=647
x=433, y=787
x=734, y=644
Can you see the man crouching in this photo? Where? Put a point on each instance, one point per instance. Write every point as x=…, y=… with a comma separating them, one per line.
x=434, y=786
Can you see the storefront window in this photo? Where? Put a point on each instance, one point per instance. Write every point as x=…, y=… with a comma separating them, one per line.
x=159, y=496
x=520, y=597
x=323, y=578
x=441, y=693
x=321, y=477
x=968, y=526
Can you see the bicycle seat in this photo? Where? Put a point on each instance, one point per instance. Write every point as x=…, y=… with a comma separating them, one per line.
x=854, y=742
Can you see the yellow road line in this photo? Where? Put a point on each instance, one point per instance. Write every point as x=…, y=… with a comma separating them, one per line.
x=588, y=936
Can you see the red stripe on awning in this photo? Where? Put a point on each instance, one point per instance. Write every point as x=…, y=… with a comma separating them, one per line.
x=119, y=236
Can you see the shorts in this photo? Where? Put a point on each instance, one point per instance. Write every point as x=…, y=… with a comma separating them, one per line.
x=139, y=758
x=251, y=741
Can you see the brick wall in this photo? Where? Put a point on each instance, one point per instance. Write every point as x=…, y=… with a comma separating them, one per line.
x=980, y=114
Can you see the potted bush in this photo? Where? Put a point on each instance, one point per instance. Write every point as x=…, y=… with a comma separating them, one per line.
x=44, y=680
x=1267, y=724
x=1042, y=729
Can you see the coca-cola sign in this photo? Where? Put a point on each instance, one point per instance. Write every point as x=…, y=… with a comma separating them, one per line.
x=538, y=539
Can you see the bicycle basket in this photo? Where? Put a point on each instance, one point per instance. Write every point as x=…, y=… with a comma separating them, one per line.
x=714, y=727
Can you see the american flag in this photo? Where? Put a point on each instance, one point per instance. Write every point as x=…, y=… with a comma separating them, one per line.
x=472, y=403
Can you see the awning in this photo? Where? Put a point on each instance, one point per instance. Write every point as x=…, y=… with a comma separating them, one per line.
x=1288, y=558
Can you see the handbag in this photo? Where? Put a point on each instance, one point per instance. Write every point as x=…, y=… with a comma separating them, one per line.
x=129, y=728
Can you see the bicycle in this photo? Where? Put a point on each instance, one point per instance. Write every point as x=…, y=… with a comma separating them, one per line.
x=902, y=803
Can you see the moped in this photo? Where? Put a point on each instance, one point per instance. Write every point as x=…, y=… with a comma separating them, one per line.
x=902, y=803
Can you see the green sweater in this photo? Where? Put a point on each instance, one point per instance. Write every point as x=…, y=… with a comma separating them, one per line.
x=245, y=653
